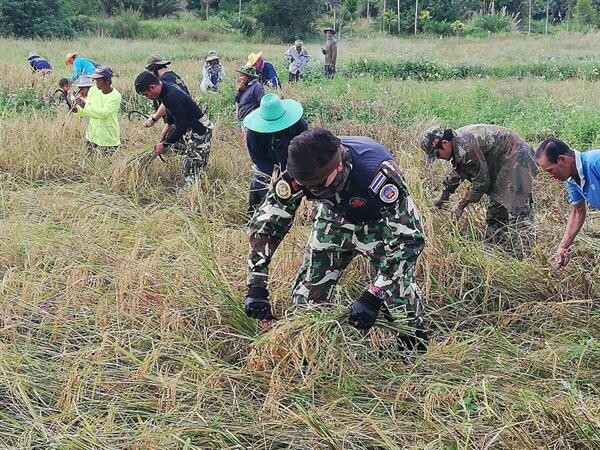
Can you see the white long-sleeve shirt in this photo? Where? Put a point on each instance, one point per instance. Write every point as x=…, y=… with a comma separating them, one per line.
x=297, y=59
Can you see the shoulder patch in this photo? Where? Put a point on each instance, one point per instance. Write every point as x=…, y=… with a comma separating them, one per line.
x=387, y=183
x=283, y=189
x=389, y=193
x=286, y=187
x=377, y=182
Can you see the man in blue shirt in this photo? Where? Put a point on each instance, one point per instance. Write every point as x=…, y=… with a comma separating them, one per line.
x=580, y=172
x=39, y=64
x=364, y=207
x=270, y=129
x=267, y=74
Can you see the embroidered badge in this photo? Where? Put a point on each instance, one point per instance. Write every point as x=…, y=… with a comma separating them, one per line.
x=283, y=190
x=377, y=182
x=357, y=202
x=389, y=193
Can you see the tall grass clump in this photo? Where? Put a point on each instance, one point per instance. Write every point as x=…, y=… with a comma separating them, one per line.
x=126, y=24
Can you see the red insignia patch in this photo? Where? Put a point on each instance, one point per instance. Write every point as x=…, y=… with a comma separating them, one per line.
x=357, y=202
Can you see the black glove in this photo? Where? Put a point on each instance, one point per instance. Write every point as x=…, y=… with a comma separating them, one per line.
x=416, y=342
x=257, y=304
x=364, y=311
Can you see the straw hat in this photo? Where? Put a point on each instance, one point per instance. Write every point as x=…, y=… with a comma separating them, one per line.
x=70, y=58
x=253, y=57
x=273, y=115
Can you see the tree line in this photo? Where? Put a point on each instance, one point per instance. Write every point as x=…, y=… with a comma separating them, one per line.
x=295, y=18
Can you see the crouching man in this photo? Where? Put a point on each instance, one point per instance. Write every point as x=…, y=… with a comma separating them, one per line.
x=188, y=124
x=364, y=208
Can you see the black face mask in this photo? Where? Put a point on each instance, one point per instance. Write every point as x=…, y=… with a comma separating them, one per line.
x=339, y=182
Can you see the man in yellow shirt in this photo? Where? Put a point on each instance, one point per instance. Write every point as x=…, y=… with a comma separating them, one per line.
x=102, y=108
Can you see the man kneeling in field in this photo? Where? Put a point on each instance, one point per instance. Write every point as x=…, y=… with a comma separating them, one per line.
x=363, y=208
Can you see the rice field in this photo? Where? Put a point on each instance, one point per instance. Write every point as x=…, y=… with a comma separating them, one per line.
x=121, y=289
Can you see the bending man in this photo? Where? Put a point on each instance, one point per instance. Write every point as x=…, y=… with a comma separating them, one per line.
x=364, y=208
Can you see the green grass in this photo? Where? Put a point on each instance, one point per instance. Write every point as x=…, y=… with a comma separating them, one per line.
x=120, y=290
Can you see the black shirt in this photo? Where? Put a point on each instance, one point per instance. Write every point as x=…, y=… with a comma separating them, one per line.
x=184, y=111
x=171, y=77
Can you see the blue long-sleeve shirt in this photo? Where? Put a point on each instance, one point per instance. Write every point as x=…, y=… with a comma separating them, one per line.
x=40, y=64
x=82, y=66
x=268, y=75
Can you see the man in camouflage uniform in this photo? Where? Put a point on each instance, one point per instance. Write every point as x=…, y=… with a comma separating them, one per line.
x=364, y=209
x=190, y=132
x=497, y=162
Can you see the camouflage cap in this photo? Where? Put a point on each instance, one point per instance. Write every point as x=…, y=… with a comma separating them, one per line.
x=428, y=142
x=249, y=71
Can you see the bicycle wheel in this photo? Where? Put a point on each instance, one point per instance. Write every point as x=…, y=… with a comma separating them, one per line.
x=136, y=115
x=58, y=97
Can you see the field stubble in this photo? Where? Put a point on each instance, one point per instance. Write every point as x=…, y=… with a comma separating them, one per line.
x=120, y=314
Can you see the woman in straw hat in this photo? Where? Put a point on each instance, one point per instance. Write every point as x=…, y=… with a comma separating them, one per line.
x=267, y=74
x=39, y=64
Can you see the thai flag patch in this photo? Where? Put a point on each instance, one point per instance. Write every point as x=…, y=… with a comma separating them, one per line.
x=377, y=182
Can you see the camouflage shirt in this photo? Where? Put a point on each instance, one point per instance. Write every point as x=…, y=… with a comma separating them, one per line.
x=496, y=161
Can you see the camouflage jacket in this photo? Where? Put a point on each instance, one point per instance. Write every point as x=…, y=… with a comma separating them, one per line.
x=496, y=161
x=371, y=196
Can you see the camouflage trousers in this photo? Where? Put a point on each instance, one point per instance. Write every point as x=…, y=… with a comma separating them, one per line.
x=514, y=232
x=195, y=149
x=392, y=244
x=92, y=149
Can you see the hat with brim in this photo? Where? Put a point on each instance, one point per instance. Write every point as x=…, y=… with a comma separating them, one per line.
x=156, y=60
x=70, y=57
x=273, y=115
x=248, y=71
x=33, y=55
x=329, y=29
x=212, y=55
x=253, y=57
x=85, y=81
x=298, y=43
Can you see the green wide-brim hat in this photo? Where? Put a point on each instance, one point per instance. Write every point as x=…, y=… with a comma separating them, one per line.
x=273, y=115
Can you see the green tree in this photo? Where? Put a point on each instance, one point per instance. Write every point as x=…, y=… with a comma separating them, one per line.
x=286, y=19
x=585, y=13
x=149, y=8
x=33, y=18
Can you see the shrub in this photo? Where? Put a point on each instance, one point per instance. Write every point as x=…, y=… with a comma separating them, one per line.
x=285, y=18
x=494, y=23
x=126, y=24
x=158, y=29
x=442, y=28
